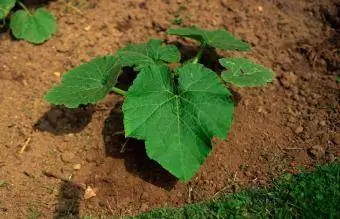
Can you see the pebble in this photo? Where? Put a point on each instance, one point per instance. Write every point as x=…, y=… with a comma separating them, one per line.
x=87, y=28
x=89, y=193
x=57, y=74
x=298, y=130
x=67, y=156
x=77, y=166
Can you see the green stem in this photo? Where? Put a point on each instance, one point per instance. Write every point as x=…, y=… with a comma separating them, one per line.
x=199, y=55
x=118, y=91
x=24, y=7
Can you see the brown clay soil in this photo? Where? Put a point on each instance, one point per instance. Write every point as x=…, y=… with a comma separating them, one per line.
x=294, y=122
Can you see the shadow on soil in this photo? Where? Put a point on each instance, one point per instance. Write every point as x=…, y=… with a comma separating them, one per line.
x=209, y=58
x=70, y=196
x=61, y=120
x=133, y=152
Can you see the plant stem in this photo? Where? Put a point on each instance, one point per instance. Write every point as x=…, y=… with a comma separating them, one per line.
x=199, y=54
x=24, y=7
x=118, y=91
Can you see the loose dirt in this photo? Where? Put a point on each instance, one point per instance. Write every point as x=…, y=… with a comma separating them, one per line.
x=292, y=123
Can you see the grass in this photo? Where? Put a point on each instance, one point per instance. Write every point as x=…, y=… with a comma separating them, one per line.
x=306, y=195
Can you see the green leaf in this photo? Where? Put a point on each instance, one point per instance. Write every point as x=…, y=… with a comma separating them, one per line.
x=87, y=83
x=5, y=7
x=243, y=73
x=35, y=28
x=217, y=38
x=140, y=55
x=178, y=118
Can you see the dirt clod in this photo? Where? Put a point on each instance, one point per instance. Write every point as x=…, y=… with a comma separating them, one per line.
x=77, y=166
x=67, y=156
x=298, y=130
x=288, y=80
x=317, y=151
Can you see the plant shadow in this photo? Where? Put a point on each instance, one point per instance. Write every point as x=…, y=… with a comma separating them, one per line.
x=60, y=120
x=133, y=152
x=69, y=199
x=209, y=57
x=36, y=3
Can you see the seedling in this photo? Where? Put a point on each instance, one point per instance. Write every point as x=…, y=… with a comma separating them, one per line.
x=34, y=27
x=176, y=111
x=177, y=20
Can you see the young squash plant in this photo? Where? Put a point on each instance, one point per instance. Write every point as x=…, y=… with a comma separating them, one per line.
x=34, y=27
x=176, y=111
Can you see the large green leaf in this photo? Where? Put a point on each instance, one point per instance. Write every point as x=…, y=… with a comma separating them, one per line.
x=177, y=119
x=149, y=53
x=5, y=7
x=217, y=38
x=87, y=83
x=243, y=73
x=35, y=28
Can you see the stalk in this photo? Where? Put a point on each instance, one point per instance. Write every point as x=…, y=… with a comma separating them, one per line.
x=199, y=54
x=24, y=7
x=118, y=91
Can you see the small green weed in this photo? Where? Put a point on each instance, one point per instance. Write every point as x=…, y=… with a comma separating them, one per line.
x=177, y=20
x=3, y=183
x=33, y=212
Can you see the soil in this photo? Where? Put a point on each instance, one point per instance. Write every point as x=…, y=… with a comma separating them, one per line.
x=291, y=124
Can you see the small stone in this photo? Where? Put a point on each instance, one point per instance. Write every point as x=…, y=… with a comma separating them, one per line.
x=77, y=166
x=89, y=193
x=260, y=110
x=62, y=47
x=260, y=8
x=246, y=102
x=24, y=82
x=57, y=74
x=87, y=28
x=298, y=130
x=317, y=151
x=67, y=157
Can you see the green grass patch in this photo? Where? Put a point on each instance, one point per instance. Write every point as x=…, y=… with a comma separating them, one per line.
x=306, y=195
